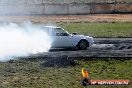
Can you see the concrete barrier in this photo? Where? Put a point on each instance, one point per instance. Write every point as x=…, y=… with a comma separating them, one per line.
x=111, y=8
x=79, y=9
x=38, y=7
x=51, y=9
x=21, y=10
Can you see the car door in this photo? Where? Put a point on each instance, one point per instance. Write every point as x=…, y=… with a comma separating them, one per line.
x=62, y=39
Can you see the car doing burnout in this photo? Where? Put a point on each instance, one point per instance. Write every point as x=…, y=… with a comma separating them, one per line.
x=63, y=39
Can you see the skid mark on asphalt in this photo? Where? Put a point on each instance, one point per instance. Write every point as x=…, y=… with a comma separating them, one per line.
x=123, y=47
x=112, y=46
x=102, y=46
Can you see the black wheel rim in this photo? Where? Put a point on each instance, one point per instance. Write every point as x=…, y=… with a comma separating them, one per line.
x=83, y=45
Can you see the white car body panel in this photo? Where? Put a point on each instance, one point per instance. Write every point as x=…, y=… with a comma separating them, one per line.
x=62, y=41
x=67, y=41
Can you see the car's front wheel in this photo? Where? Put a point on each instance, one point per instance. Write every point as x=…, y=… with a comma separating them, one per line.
x=83, y=44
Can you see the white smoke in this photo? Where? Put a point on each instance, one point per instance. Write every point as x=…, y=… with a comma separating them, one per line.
x=22, y=40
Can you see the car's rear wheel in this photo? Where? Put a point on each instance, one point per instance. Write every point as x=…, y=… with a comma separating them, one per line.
x=83, y=44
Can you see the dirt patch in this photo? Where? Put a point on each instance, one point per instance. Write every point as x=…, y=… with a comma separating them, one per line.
x=69, y=18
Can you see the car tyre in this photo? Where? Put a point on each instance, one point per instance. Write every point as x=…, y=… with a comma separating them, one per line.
x=83, y=44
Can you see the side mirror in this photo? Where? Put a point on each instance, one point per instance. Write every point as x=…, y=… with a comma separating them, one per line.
x=74, y=33
x=65, y=34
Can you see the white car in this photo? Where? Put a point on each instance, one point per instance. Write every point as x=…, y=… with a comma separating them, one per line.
x=63, y=39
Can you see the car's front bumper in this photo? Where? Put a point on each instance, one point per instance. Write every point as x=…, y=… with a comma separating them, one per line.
x=91, y=41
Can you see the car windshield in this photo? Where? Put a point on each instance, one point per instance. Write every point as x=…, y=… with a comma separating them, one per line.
x=60, y=32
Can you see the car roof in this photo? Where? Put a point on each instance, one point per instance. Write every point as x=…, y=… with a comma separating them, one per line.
x=52, y=26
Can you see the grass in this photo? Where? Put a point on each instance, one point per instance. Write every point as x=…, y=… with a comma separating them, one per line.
x=114, y=30
x=30, y=73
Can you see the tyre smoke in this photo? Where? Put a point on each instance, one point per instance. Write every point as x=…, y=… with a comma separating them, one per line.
x=22, y=40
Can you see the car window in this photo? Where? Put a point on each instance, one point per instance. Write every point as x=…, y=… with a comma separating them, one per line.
x=48, y=30
x=60, y=32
